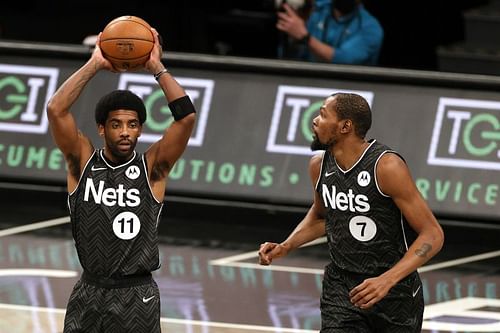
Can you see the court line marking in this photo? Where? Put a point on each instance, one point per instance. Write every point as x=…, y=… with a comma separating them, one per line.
x=233, y=261
x=249, y=255
x=171, y=320
x=38, y=272
x=34, y=226
x=461, y=261
x=66, y=219
x=463, y=308
x=226, y=261
x=279, y=268
x=30, y=308
x=236, y=326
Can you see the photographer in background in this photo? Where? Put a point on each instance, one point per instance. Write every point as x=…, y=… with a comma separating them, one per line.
x=335, y=31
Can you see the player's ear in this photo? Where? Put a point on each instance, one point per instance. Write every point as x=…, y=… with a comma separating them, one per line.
x=100, y=130
x=347, y=126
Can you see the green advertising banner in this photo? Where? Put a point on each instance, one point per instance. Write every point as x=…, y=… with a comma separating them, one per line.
x=252, y=136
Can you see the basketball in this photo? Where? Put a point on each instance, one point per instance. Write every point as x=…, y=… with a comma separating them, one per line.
x=127, y=42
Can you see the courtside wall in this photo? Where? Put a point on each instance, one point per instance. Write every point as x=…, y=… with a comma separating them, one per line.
x=251, y=140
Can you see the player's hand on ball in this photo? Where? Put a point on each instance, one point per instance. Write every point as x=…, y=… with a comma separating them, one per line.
x=100, y=61
x=127, y=42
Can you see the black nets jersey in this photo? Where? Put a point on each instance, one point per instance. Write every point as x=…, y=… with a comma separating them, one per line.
x=364, y=227
x=114, y=218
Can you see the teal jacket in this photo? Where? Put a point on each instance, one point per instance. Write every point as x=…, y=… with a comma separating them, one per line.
x=357, y=38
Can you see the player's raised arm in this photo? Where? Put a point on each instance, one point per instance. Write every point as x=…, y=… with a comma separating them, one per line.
x=74, y=145
x=163, y=154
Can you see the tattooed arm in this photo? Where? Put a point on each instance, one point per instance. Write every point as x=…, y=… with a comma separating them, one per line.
x=75, y=147
x=395, y=180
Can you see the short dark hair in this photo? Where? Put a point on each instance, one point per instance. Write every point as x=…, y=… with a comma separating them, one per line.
x=116, y=100
x=355, y=108
x=345, y=7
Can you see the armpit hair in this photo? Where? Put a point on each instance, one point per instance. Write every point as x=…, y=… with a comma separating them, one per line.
x=160, y=171
x=73, y=165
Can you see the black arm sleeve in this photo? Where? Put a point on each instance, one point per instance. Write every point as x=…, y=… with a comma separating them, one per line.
x=181, y=107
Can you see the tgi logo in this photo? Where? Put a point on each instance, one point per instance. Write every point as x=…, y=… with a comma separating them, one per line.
x=158, y=112
x=294, y=110
x=24, y=93
x=466, y=134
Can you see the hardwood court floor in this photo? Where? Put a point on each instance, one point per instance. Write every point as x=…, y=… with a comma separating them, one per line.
x=213, y=285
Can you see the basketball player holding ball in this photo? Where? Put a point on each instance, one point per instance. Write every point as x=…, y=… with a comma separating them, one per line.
x=116, y=197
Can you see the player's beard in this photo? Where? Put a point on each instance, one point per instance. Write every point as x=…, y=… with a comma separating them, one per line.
x=120, y=153
x=317, y=145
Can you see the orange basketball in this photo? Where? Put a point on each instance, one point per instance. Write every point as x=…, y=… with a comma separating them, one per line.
x=127, y=42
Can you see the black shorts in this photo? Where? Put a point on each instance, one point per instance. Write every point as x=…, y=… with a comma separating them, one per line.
x=398, y=312
x=125, y=305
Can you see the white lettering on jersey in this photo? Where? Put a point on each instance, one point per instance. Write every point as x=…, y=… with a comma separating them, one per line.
x=111, y=196
x=345, y=201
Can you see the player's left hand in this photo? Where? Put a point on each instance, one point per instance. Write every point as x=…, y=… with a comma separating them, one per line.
x=153, y=64
x=369, y=292
x=269, y=251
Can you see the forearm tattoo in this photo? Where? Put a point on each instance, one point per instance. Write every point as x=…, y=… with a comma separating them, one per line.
x=423, y=250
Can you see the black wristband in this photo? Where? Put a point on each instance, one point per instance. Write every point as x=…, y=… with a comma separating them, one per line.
x=181, y=107
x=305, y=39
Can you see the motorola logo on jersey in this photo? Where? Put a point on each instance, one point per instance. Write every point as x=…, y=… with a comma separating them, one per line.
x=111, y=196
x=24, y=93
x=294, y=110
x=159, y=116
x=364, y=178
x=133, y=172
x=466, y=134
x=344, y=201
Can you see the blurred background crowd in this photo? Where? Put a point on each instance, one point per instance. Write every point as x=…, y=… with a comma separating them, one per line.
x=426, y=34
